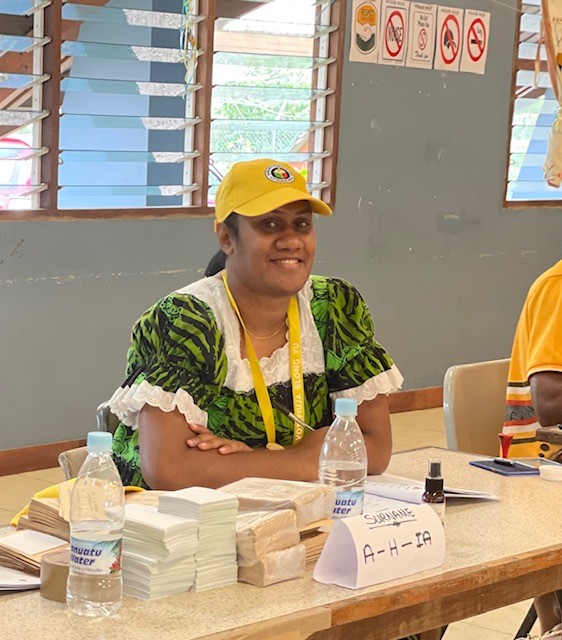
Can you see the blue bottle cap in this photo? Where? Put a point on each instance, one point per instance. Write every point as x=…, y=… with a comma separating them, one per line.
x=99, y=441
x=346, y=407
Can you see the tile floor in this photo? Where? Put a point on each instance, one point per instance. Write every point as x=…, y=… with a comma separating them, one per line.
x=410, y=430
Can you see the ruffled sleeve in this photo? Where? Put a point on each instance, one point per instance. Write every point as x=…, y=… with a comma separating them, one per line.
x=175, y=361
x=357, y=366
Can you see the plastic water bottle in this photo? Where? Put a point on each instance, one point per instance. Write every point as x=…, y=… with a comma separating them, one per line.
x=97, y=510
x=343, y=461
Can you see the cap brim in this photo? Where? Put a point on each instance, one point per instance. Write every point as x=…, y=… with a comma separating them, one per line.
x=279, y=198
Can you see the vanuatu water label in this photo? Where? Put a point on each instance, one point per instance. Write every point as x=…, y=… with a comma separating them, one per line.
x=95, y=557
x=348, y=503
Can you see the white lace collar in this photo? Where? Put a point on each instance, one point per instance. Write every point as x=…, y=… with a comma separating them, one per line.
x=275, y=368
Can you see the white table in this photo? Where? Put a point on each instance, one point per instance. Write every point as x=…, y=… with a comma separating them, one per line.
x=497, y=553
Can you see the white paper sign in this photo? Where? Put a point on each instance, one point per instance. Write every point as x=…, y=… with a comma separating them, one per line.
x=475, y=41
x=421, y=36
x=394, y=32
x=449, y=39
x=365, y=31
x=381, y=546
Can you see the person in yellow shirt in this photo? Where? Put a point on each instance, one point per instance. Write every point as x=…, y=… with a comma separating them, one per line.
x=534, y=388
x=534, y=391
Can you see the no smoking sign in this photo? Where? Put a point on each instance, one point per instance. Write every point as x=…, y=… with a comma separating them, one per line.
x=476, y=40
x=476, y=37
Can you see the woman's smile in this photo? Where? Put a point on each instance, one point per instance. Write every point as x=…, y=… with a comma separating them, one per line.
x=288, y=263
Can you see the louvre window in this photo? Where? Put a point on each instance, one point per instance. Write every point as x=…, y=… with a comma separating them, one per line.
x=22, y=41
x=534, y=108
x=118, y=108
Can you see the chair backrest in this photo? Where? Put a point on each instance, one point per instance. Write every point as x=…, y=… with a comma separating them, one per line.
x=474, y=405
x=70, y=461
x=106, y=420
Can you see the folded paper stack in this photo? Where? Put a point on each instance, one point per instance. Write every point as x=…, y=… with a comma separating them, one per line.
x=275, y=566
x=216, y=511
x=311, y=502
x=50, y=515
x=259, y=532
x=269, y=547
x=158, y=552
x=44, y=516
x=22, y=550
x=314, y=537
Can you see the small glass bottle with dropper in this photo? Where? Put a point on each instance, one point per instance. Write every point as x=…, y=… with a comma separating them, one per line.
x=434, y=496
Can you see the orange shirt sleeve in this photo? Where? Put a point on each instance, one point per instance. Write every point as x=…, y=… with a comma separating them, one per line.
x=543, y=311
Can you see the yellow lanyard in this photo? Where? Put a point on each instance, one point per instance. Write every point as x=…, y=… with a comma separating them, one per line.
x=295, y=358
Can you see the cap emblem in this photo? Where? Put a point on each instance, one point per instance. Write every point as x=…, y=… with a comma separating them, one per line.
x=277, y=173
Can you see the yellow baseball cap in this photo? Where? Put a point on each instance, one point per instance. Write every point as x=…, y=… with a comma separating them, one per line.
x=255, y=187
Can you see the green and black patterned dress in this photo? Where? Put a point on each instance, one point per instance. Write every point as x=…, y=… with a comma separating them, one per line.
x=185, y=355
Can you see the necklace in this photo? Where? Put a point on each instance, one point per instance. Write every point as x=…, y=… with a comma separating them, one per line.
x=270, y=335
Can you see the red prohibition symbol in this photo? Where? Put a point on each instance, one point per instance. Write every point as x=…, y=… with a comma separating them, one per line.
x=394, y=33
x=476, y=40
x=449, y=39
x=422, y=39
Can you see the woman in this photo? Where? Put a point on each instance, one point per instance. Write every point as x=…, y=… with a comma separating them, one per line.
x=209, y=364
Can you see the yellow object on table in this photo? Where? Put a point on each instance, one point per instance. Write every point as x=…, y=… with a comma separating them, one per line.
x=59, y=491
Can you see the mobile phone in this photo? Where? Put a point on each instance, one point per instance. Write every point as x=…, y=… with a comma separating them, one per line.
x=505, y=468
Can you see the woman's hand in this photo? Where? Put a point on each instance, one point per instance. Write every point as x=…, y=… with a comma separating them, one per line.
x=205, y=440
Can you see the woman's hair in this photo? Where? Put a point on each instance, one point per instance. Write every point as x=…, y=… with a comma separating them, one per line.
x=232, y=223
x=218, y=261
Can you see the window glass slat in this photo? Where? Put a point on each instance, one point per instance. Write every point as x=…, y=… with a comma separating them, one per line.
x=126, y=87
x=164, y=157
x=22, y=7
x=126, y=16
x=130, y=110
x=20, y=44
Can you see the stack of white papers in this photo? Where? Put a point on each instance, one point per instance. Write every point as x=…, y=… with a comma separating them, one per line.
x=215, y=559
x=158, y=536
x=146, y=578
x=158, y=552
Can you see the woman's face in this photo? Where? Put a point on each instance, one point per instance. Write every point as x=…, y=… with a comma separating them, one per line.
x=273, y=253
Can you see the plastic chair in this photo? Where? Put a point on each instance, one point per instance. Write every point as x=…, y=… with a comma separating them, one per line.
x=70, y=461
x=474, y=405
x=473, y=410
x=106, y=420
